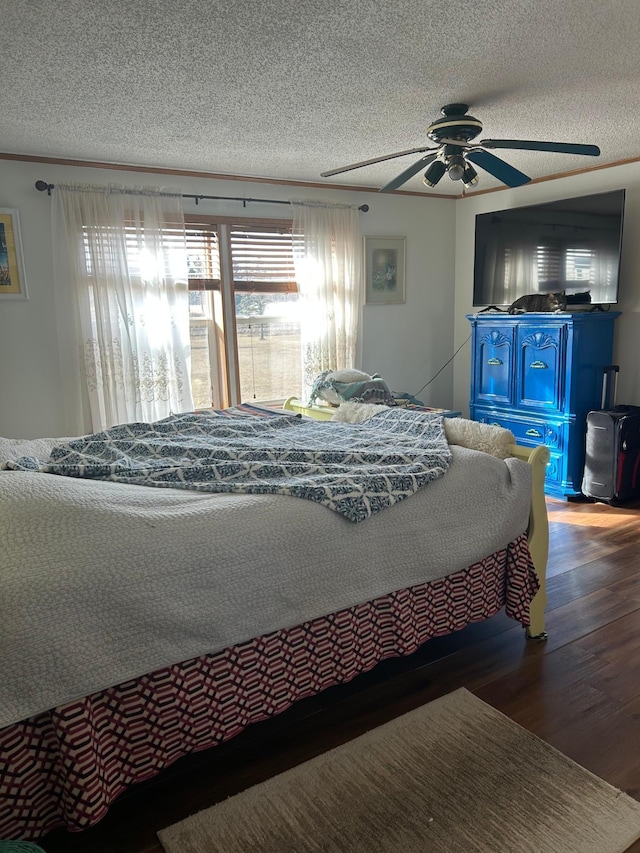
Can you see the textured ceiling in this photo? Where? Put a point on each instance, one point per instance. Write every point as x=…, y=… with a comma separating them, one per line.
x=290, y=88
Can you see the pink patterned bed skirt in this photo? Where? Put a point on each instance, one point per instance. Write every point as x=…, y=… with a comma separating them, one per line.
x=66, y=766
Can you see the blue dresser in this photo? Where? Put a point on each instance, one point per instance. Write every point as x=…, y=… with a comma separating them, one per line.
x=538, y=375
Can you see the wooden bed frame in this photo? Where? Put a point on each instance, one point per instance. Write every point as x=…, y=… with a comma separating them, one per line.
x=538, y=530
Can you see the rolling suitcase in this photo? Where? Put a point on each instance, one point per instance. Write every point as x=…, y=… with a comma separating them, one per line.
x=612, y=453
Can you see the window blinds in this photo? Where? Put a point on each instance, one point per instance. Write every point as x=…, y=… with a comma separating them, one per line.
x=261, y=257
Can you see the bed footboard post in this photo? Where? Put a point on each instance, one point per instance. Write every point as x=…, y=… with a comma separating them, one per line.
x=537, y=534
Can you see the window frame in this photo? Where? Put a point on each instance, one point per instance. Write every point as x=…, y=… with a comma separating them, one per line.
x=224, y=365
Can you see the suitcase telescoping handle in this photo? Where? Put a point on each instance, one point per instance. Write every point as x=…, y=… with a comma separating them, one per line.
x=610, y=386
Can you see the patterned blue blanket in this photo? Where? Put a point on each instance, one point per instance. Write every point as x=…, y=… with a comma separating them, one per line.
x=354, y=469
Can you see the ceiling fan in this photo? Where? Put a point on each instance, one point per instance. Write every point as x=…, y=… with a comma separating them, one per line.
x=455, y=154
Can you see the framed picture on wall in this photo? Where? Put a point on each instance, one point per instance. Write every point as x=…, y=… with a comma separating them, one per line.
x=13, y=284
x=384, y=270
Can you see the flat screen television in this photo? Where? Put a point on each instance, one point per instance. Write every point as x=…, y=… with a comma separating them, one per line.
x=572, y=245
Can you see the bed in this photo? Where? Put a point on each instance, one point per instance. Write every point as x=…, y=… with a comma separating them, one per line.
x=140, y=624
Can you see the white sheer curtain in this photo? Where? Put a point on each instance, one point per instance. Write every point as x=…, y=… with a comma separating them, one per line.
x=121, y=267
x=327, y=252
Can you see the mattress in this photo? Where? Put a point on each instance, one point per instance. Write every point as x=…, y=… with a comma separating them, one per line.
x=103, y=582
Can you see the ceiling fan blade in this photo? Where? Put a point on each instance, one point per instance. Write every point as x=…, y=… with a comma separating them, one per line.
x=408, y=173
x=498, y=168
x=532, y=145
x=376, y=160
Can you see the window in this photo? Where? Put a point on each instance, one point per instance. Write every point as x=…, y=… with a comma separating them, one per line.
x=245, y=329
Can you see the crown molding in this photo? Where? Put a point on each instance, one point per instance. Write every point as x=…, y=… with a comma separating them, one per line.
x=159, y=170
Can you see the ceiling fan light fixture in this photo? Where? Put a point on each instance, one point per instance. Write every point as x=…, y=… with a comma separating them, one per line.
x=456, y=166
x=469, y=176
x=433, y=174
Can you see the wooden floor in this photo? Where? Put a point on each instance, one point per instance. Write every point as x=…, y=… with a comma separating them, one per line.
x=579, y=691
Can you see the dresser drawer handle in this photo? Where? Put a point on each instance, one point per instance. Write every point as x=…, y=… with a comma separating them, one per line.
x=493, y=361
x=534, y=433
x=538, y=365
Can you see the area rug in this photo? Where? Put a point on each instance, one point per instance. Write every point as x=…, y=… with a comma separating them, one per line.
x=454, y=776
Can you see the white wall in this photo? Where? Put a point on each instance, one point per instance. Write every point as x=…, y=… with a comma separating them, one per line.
x=627, y=326
x=406, y=344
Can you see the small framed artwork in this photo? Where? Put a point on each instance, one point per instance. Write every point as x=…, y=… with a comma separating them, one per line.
x=13, y=284
x=384, y=270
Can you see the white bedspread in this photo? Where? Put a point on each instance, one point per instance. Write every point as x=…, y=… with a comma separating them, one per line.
x=101, y=582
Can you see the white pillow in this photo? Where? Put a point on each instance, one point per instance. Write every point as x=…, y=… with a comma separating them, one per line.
x=491, y=439
x=348, y=375
x=356, y=413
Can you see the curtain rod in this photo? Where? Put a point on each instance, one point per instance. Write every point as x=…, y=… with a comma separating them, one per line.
x=41, y=186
